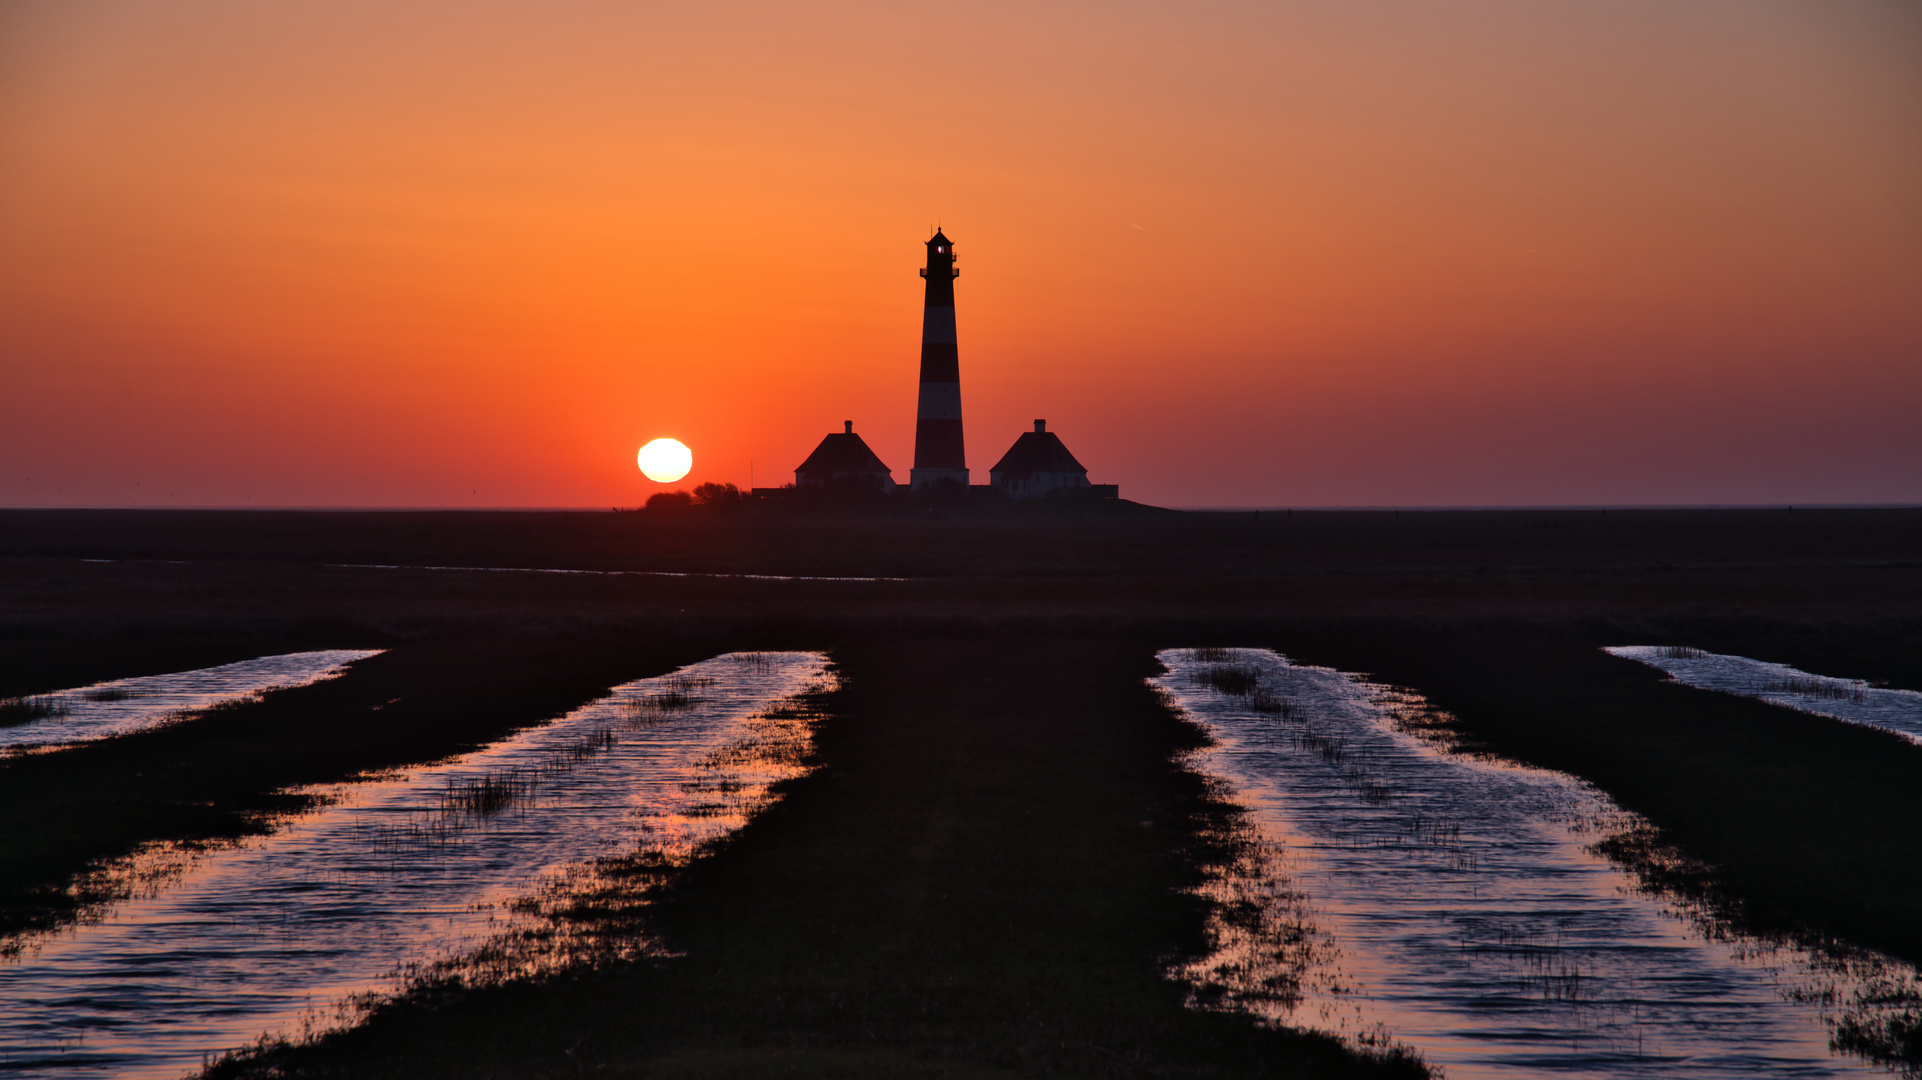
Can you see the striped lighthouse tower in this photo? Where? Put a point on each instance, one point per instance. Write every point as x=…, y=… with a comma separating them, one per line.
x=938, y=455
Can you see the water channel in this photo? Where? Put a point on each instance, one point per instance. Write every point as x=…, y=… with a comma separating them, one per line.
x=607, y=573
x=1851, y=700
x=408, y=870
x=68, y=717
x=1451, y=904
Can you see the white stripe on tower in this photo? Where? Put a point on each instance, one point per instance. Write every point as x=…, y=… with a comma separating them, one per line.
x=937, y=324
x=940, y=401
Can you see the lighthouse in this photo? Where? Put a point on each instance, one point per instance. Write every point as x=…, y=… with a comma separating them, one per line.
x=938, y=454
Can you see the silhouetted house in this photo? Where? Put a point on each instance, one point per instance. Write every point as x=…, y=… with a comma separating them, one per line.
x=844, y=460
x=1038, y=466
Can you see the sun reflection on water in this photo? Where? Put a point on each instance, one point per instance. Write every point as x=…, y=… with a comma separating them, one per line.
x=513, y=859
x=1851, y=700
x=1392, y=889
x=46, y=722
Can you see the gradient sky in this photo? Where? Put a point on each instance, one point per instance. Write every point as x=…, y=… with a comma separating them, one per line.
x=1311, y=253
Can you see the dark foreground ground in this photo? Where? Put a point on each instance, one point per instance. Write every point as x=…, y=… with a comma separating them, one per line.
x=967, y=882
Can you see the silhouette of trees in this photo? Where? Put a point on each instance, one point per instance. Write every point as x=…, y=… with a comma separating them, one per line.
x=718, y=496
x=669, y=502
x=707, y=498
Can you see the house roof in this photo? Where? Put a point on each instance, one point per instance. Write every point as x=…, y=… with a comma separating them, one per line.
x=841, y=452
x=1037, y=452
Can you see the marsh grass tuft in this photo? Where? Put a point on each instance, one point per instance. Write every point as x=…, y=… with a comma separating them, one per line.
x=1889, y=1029
x=1827, y=689
x=1434, y=832
x=1547, y=965
x=1263, y=700
x=599, y=741
x=489, y=794
x=678, y=694
x=1332, y=750
x=1235, y=680
x=1242, y=681
x=25, y=710
x=1262, y=942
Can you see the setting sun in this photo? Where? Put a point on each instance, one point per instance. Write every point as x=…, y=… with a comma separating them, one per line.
x=665, y=460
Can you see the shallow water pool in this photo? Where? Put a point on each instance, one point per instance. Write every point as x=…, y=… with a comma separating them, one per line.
x=1416, y=896
x=1852, y=700
x=400, y=872
x=69, y=717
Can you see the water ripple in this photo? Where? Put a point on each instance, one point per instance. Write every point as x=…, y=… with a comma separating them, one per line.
x=1852, y=700
x=69, y=717
x=427, y=865
x=1402, y=893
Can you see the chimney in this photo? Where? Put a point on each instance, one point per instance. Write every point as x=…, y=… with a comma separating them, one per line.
x=1040, y=426
x=848, y=429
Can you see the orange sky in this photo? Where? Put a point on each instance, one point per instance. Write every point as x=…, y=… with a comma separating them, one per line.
x=1311, y=253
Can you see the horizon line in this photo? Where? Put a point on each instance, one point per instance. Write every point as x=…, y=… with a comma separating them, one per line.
x=1244, y=509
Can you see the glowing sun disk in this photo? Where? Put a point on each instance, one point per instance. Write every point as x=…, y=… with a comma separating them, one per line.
x=665, y=460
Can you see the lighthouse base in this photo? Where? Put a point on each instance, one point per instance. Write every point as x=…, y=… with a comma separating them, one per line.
x=920, y=480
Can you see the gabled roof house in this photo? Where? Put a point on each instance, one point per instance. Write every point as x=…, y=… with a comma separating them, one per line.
x=1039, y=466
x=844, y=459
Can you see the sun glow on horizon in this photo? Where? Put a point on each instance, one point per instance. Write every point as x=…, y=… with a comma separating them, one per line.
x=665, y=460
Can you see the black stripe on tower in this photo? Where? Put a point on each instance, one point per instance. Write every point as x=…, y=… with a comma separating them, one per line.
x=940, y=362
x=937, y=444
